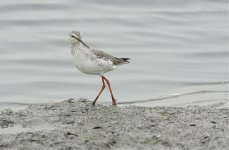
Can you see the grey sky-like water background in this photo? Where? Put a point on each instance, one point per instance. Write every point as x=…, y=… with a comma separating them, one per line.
x=173, y=45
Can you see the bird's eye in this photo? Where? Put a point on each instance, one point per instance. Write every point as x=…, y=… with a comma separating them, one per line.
x=73, y=36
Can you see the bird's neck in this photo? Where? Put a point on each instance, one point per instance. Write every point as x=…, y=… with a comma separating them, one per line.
x=75, y=47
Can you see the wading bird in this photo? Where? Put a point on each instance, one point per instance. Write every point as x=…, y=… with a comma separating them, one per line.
x=92, y=61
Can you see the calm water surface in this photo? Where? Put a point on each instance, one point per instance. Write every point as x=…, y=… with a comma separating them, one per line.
x=172, y=45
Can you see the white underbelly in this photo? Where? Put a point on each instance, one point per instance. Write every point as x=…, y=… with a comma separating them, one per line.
x=90, y=65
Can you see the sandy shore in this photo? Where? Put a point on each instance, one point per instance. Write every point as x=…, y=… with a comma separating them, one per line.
x=75, y=124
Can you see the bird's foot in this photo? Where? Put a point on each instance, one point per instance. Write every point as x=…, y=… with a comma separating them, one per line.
x=93, y=103
x=114, y=102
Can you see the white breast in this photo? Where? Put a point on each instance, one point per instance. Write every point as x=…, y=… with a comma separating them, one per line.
x=88, y=63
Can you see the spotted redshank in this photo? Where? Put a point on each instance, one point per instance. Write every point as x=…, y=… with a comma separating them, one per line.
x=92, y=61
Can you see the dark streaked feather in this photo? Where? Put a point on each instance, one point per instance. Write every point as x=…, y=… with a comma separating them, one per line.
x=105, y=56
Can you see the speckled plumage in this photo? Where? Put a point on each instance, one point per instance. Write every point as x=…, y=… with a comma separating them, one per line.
x=116, y=61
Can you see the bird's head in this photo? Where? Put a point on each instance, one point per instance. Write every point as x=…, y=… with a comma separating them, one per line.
x=76, y=38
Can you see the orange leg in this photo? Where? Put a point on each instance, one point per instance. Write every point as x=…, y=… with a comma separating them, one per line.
x=93, y=103
x=109, y=86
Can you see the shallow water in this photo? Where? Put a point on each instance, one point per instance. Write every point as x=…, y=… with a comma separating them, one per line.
x=172, y=45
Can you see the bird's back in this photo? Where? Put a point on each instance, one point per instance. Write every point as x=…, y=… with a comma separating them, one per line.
x=115, y=60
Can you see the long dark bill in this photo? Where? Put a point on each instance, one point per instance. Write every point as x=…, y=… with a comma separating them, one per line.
x=80, y=41
x=84, y=43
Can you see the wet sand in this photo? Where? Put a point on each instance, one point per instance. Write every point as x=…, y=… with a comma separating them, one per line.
x=75, y=124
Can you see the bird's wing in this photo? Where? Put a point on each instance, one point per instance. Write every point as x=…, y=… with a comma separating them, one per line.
x=116, y=61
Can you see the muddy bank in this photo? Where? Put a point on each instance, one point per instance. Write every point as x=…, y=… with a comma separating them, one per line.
x=75, y=124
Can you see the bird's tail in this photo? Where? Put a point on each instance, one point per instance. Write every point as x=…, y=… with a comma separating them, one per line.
x=125, y=60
